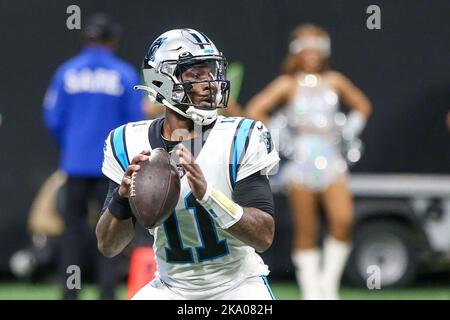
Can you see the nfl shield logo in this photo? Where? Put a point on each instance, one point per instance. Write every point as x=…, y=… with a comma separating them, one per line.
x=181, y=171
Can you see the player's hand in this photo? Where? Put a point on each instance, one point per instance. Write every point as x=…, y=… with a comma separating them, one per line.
x=194, y=174
x=133, y=167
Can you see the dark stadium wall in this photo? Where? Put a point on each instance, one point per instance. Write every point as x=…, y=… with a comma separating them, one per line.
x=403, y=68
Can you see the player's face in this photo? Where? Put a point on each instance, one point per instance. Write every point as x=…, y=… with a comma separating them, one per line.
x=202, y=91
x=203, y=86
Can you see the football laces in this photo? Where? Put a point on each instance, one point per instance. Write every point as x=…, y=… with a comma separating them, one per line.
x=133, y=184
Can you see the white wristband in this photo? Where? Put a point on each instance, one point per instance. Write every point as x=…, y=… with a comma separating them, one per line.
x=222, y=209
x=356, y=122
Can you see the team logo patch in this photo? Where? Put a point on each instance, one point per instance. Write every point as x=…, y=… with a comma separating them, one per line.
x=266, y=138
x=259, y=126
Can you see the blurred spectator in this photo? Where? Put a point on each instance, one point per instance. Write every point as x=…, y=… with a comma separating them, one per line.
x=45, y=226
x=89, y=95
x=316, y=170
x=44, y=217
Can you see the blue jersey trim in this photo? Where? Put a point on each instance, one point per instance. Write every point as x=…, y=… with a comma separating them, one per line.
x=266, y=282
x=120, y=147
x=239, y=147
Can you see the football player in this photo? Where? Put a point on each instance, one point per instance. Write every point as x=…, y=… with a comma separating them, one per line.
x=207, y=248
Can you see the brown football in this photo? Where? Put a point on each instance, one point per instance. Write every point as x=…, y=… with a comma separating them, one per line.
x=155, y=189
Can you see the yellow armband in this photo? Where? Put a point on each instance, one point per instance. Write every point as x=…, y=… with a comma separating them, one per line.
x=224, y=211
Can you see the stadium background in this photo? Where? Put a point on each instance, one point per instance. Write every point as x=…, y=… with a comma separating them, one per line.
x=403, y=68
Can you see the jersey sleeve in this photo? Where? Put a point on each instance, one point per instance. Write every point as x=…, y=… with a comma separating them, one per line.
x=254, y=150
x=115, y=158
x=254, y=191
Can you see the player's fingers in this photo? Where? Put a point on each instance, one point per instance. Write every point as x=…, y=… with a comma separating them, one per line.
x=145, y=152
x=186, y=158
x=195, y=174
x=186, y=167
x=192, y=174
x=126, y=181
x=196, y=169
x=191, y=178
x=132, y=168
x=190, y=164
x=182, y=157
x=195, y=183
x=183, y=152
x=139, y=158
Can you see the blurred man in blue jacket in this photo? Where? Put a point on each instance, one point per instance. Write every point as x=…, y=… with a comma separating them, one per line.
x=89, y=95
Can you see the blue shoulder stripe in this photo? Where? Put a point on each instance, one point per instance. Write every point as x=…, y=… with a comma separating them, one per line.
x=239, y=147
x=266, y=282
x=119, y=147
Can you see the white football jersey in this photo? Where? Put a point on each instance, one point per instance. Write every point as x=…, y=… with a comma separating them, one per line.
x=192, y=252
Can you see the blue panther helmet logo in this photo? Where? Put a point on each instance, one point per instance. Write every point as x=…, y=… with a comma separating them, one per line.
x=155, y=46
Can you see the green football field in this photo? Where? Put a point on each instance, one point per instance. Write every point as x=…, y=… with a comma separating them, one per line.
x=282, y=291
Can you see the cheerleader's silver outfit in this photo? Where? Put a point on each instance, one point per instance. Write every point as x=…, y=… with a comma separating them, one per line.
x=313, y=136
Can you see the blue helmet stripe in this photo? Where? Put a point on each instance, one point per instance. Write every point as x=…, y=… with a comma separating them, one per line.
x=205, y=37
x=197, y=38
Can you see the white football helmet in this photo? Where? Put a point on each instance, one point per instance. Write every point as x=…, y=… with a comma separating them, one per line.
x=171, y=55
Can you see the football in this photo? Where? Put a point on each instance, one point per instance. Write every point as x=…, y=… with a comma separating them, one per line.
x=155, y=189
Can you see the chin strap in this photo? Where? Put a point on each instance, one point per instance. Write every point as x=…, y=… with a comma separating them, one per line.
x=203, y=118
x=153, y=93
x=191, y=113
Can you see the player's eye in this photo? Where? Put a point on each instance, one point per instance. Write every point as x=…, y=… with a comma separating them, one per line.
x=192, y=74
x=198, y=75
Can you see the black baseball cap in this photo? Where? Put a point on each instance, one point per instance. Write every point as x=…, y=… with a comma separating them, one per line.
x=101, y=26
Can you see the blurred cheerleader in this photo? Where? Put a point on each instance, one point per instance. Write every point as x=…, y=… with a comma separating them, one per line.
x=310, y=93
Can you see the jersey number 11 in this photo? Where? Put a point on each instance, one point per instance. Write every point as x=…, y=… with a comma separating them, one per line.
x=212, y=248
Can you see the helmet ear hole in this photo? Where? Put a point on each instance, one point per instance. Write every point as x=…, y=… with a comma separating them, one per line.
x=177, y=93
x=177, y=96
x=157, y=83
x=185, y=55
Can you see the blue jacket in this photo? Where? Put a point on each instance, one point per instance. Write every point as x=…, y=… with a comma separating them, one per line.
x=90, y=95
